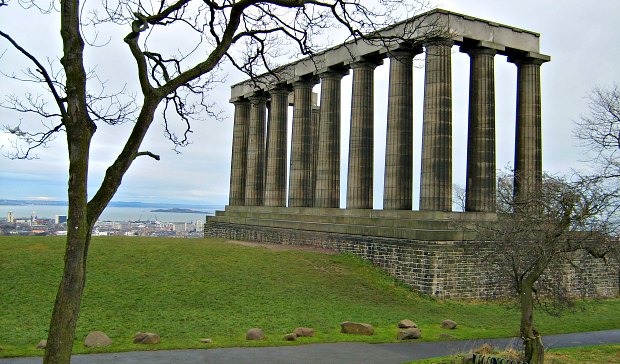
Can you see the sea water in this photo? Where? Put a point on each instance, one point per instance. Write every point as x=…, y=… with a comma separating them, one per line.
x=111, y=213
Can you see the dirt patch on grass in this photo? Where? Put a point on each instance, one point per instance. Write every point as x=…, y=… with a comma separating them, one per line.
x=281, y=247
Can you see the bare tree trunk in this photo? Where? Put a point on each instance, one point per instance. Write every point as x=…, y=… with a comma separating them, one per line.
x=68, y=301
x=534, y=348
x=79, y=227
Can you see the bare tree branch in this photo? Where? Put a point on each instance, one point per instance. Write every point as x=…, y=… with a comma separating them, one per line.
x=149, y=154
x=60, y=102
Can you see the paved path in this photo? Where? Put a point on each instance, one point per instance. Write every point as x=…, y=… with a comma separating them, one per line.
x=327, y=353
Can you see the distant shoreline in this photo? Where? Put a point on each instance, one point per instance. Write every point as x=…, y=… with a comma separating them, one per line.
x=180, y=211
x=8, y=202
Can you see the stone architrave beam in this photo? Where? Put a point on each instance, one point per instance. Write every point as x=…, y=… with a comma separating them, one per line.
x=462, y=28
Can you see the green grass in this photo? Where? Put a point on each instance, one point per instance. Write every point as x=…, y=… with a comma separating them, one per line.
x=187, y=289
x=608, y=354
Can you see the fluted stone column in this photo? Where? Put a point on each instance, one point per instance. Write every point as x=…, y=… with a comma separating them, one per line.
x=436, y=173
x=300, y=194
x=480, y=184
x=361, y=137
x=397, y=192
x=256, y=152
x=528, y=143
x=239, y=153
x=327, y=190
x=314, y=157
x=275, y=179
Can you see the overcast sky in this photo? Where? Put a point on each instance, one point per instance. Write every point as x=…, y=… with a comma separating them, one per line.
x=580, y=37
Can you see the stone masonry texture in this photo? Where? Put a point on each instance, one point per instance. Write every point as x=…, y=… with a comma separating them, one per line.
x=444, y=269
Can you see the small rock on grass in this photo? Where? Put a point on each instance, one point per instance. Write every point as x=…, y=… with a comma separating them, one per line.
x=290, y=337
x=448, y=324
x=146, y=338
x=255, y=334
x=406, y=324
x=42, y=344
x=357, y=328
x=303, y=332
x=409, y=334
x=206, y=341
x=97, y=339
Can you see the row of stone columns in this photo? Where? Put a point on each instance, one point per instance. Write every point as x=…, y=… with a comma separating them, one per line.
x=258, y=168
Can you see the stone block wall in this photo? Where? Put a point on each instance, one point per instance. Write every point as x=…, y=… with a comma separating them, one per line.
x=447, y=269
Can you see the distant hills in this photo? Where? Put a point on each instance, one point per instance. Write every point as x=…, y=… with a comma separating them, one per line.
x=112, y=204
x=180, y=211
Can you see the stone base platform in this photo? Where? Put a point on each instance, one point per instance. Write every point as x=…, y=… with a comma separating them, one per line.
x=431, y=251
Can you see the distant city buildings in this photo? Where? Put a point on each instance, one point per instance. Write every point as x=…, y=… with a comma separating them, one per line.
x=34, y=225
x=61, y=219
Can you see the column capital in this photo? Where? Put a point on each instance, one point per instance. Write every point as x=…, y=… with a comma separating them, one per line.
x=439, y=43
x=365, y=63
x=404, y=53
x=257, y=97
x=280, y=89
x=528, y=58
x=240, y=101
x=305, y=81
x=333, y=73
x=478, y=50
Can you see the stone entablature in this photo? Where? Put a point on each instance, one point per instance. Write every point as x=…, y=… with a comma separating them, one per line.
x=463, y=29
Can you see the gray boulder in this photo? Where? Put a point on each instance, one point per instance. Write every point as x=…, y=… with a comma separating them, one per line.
x=356, y=328
x=448, y=324
x=97, y=339
x=303, y=332
x=146, y=338
x=411, y=333
x=406, y=324
x=255, y=334
x=42, y=344
x=290, y=337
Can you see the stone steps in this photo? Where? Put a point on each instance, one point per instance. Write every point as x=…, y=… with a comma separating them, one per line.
x=413, y=225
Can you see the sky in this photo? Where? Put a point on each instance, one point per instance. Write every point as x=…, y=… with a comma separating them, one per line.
x=580, y=37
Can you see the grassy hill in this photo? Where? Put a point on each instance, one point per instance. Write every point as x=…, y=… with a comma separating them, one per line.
x=187, y=289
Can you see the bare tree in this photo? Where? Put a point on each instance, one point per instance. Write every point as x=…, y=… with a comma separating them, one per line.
x=251, y=35
x=599, y=132
x=535, y=238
